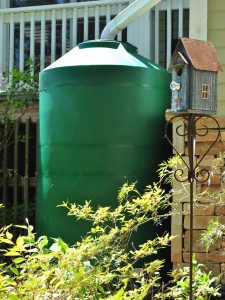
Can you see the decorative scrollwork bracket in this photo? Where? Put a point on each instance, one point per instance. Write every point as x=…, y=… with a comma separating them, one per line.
x=193, y=126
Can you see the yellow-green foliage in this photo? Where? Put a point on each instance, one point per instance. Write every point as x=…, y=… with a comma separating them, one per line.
x=204, y=285
x=101, y=266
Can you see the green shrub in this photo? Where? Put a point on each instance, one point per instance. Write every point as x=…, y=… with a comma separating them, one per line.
x=103, y=264
x=204, y=285
x=100, y=266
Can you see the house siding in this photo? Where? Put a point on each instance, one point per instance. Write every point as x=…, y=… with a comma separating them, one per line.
x=216, y=34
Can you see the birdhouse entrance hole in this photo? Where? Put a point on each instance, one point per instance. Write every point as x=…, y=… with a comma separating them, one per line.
x=179, y=71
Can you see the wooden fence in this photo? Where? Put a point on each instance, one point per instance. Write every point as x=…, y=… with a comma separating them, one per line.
x=18, y=175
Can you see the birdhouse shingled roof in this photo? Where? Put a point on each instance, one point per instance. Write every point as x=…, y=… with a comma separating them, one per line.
x=201, y=54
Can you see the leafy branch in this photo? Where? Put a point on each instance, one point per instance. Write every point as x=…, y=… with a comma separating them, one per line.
x=21, y=91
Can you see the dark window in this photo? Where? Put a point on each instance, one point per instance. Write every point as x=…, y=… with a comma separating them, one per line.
x=163, y=32
x=205, y=91
x=22, y=3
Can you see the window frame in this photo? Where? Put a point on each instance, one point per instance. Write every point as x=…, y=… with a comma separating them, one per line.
x=205, y=91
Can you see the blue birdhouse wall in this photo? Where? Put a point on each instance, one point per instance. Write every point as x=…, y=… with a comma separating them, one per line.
x=203, y=90
x=179, y=91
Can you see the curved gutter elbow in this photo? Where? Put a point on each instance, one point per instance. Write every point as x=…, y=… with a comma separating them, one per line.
x=127, y=16
x=110, y=31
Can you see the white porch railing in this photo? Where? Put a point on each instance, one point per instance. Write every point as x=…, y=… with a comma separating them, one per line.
x=44, y=33
x=176, y=24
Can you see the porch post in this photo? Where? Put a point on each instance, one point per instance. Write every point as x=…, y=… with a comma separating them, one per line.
x=138, y=34
x=4, y=4
x=1, y=50
x=198, y=19
x=3, y=41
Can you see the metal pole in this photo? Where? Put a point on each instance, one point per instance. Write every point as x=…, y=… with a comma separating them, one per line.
x=191, y=176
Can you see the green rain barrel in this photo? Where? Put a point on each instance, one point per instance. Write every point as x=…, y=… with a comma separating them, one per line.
x=101, y=124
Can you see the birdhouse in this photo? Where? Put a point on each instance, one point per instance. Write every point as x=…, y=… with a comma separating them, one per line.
x=194, y=67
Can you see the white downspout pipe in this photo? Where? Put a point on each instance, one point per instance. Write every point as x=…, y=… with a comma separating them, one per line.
x=127, y=16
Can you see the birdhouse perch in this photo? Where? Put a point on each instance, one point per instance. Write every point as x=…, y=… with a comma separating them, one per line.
x=194, y=67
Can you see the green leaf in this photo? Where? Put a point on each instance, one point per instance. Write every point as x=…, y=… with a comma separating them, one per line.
x=19, y=260
x=20, y=241
x=11, y=282
x=9, y=235
x=118, y=295
x=14, y=270
x=44, y=267
x=6, y=241
x=53, y=280
x=34, y=283
x=100, y=288
x=58, y=284
x=31, y=228
x=14, y=297
x=21, y=226
x=12, y=253
x=62, y=244
x=42, y=242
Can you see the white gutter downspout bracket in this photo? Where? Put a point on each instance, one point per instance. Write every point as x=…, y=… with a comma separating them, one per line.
x=127, y=16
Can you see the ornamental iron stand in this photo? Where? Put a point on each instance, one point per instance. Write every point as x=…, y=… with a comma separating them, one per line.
x=194, y=173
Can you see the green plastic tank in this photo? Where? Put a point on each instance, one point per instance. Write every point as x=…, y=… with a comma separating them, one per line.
x=101, y=124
